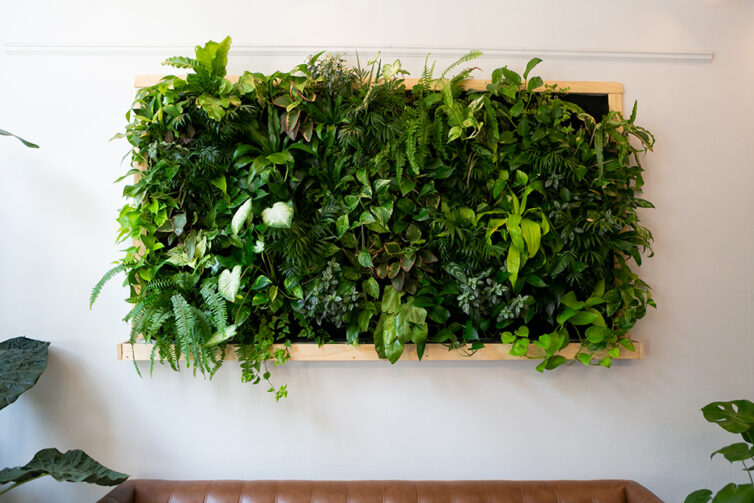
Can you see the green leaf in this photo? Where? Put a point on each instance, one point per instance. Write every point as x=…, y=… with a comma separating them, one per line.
x=391, y=300
x=279, y=215
x=280, y=157
x=530, y=66
x=699, y=496
x=532, y=233
x=229, y=283
x=221, y=336
x=371, y=287
x=735, y=452
x=585, y=358
x=22, y=361
x=240, y=217
x=365, y=259
x=584, y=318
x=27, y=143
x=71, y=466
x=260, y=282
x=212, y=58
x=736, y=416
x=534, y=83
x=221, y=183
x=570, y=300
x=341, y=225
x=513, y=263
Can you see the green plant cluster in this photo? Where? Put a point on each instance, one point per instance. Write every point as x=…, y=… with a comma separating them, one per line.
x=332, y=203
x=736, y=416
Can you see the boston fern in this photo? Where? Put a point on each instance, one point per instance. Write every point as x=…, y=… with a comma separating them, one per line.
x=336, y=203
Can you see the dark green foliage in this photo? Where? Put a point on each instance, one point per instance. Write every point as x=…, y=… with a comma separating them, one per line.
x=736, y=416
x=22, y=361
x=293, y=206
x=69, y=466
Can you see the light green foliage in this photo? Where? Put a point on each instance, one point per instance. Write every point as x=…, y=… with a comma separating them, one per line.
x=330, y=203
x=736, y=416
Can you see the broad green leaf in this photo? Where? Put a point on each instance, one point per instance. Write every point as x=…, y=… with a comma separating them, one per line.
x=570, y=300
x=221, y=183
x=584, y=318
x=212, y=58
x=530, y=66
x=71, y=466
x=221, y=336
x=736, y=416
x=341, y=225
x=229, y=283
x=371, y=287
x=391, y=300
x=280, y=157
x=365, y=259
x=240, y=217
x=585, y=358
x=260, y=282
x=279, y=215
x=532, y=235
x=513, y=263
x=699, y=496
x=22, y=361
x=735, y=452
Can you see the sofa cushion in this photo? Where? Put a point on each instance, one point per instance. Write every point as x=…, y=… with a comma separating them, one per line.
x=394, y=491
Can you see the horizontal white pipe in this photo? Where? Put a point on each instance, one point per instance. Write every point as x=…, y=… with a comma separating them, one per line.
x=34, y=49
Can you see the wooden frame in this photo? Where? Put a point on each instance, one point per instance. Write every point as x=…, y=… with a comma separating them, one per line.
x=311, y=352
x=433, y=351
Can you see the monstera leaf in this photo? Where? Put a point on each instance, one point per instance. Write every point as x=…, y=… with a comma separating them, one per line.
x=71, y=466
x=22, y=361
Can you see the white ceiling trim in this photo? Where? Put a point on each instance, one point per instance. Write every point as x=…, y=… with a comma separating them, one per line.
x=240, y=50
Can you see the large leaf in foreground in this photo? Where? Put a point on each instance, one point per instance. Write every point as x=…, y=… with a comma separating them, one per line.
x=71, y=466
x=22, y=361
x=27, y=143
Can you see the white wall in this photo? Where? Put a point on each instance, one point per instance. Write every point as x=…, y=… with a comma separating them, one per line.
x=458, y=420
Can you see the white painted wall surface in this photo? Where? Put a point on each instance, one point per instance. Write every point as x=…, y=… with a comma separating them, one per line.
x=459, y=420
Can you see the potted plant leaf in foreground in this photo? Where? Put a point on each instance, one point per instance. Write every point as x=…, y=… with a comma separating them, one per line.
x=736, y=416
x=22, y=361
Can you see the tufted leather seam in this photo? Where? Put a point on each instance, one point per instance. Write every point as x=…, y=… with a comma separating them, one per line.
x=523, y=496
x=170, y=492
x=206, y=492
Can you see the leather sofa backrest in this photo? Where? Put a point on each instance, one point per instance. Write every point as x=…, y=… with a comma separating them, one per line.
x=398, y=491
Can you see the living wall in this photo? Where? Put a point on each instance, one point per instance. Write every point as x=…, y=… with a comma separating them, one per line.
x=334, y=203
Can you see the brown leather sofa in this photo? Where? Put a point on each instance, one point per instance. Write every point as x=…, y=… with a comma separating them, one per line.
x=393, y=491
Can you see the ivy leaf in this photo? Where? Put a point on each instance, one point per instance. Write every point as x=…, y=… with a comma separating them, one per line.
x=279, y=215
x=341, y=225
x=365, y=259
x=240, y=217
x=229, y=283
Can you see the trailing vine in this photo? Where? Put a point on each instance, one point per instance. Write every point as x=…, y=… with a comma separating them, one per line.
x=332, y=203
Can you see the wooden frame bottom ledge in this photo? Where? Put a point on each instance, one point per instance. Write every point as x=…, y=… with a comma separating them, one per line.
x=310, y=352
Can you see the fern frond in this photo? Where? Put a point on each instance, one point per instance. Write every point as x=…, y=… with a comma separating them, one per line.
x=184, y=328
x=471, y=55
x=216, y=304
x=180, y=62
x=105, y=278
